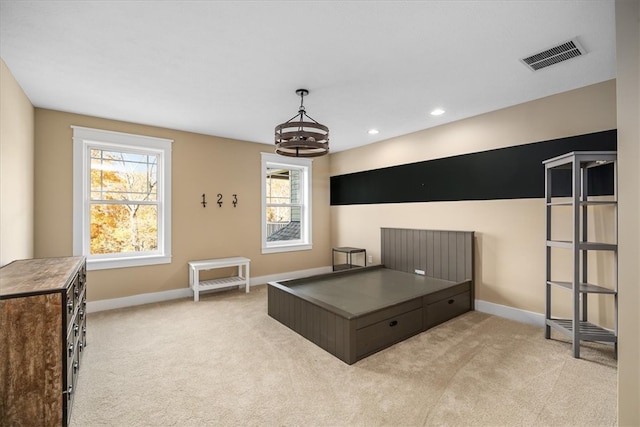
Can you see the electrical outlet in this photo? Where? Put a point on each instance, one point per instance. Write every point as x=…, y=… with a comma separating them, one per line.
x=420, y=272
x=370, y=260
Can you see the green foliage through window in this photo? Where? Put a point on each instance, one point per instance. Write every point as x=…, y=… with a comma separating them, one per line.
x=123, y=202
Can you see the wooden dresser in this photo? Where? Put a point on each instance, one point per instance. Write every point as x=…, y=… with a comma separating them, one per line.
x=42, y=335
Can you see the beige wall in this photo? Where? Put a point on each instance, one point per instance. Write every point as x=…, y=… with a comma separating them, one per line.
x=16, y=170
x=200, y=164
x=628, y=99
x=567, y=114
x=510, y=263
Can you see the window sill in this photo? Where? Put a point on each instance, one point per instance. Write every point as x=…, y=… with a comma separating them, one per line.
x=104, y=264
x=286, y=248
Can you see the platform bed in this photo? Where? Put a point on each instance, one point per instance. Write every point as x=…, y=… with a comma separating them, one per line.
x=355, y=313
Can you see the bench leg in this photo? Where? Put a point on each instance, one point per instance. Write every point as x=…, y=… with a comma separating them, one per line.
x=196, y=285
x=247, y=276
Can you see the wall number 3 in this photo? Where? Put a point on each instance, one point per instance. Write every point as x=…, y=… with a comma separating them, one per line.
x=235, y=200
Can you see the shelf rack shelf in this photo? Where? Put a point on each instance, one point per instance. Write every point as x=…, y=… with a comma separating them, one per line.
x=578, y=328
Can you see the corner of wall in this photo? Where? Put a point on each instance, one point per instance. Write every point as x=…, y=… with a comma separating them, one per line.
x=16, y=170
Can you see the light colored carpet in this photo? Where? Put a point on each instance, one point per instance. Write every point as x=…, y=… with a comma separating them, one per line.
x=224, y=361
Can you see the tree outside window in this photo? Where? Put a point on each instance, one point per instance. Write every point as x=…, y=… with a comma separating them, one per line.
x=121, y=198
x=124, y=211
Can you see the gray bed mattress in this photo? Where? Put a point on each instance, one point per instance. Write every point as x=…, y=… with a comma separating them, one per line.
x=368, y=290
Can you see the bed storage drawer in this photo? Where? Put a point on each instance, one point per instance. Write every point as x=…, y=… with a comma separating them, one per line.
x=440, y=311
x=388, y=313
x=387, y=332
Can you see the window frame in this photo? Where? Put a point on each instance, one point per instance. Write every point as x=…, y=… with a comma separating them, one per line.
x=84, y=139
x=269, y=160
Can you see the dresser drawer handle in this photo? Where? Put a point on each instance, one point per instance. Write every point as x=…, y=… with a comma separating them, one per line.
x=70, y=349
x=393, y=323
x=70, y=306
x=451, y=301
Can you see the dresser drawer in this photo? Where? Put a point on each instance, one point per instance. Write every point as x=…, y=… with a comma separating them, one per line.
x=440, y=311
x=73, y=368
x=70, y=305
x=387, y=332
x=82, y=339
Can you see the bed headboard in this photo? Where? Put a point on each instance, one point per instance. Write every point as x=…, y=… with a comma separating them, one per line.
x=441, y=254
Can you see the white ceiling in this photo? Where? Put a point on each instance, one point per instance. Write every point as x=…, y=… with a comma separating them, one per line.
x=231, y=68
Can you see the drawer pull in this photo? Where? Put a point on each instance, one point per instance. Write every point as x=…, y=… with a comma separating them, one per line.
x=75, y=367
x=393, y=323
x=70, y=349
x=76, y=329
x=70, y=306
x=451, y=301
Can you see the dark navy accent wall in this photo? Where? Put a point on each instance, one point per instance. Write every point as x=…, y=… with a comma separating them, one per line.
x=505, y=173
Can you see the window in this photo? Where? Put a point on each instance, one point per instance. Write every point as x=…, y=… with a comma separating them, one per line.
x=121, y=198
x=286, y=203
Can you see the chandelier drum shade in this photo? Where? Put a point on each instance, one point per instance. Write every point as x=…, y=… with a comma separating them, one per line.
x=301, y=136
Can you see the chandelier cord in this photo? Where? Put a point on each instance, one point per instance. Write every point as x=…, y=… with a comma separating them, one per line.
x=301, y=111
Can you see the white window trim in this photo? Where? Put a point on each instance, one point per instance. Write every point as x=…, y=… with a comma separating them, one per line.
x=83, y=139
x=306, y=243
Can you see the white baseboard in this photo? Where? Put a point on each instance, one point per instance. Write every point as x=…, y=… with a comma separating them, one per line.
x=511, y=313
x=140, y=299
x=111, y=304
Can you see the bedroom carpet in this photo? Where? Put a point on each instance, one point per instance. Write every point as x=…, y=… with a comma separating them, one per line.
x=224, y=362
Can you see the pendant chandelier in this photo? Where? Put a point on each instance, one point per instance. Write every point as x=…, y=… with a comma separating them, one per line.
x=299, y=138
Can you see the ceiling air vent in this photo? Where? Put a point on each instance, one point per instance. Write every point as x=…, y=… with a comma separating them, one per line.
x=554, y=55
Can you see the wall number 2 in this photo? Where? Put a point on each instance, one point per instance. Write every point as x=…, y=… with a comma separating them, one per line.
x=219, y=200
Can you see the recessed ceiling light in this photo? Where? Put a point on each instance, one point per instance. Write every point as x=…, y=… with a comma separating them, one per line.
x=373, y=131
x=437, y=112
